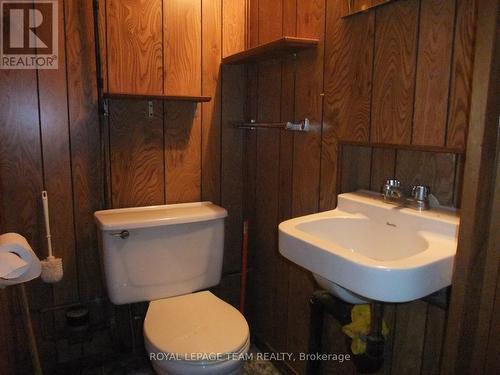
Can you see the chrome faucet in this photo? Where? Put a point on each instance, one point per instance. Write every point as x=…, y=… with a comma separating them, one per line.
x=419, y=200
x=392, y=190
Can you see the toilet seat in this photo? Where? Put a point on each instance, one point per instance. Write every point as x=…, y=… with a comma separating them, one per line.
x=199, y=329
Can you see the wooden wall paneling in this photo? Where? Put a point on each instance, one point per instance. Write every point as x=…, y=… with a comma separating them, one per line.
x=182, y=47
x=286, y=139
x=348, y=71
x=22, y=181
x=491, y=294
x=135, y=46
x=356, y=168
x=234, y=26
x=7, y=353
x=87, y=173
x=266, y=260
x=383, y=167
x=330, y=169
x=409, y=334
x=348, y=74
x=306, y=163
x=229, y=289
x=103, y=47
x=266, y=327
x=137, y=160
x=436, y=170
x=182, y=152
x=289, y=17
x=54, y=135
x=233, y=98
x=308, y=103
x=394, y=72
x=433, y=72
x=252, y=23
x=434, y=336
x=285, y=193
x=492, y=364
x=270, y=20
x=461, y=73
x=211, y=111
x=389, y=349
x=459, y=180
x=334, y=341
x=249, y=192
x=477, y=262
x=471, y=319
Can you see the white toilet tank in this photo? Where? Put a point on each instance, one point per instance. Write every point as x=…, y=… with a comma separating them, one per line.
x=157, y=252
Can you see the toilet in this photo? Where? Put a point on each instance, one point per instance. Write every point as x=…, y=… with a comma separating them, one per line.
x=169, y=255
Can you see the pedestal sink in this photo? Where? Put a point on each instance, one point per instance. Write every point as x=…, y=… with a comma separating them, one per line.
x=367, y=249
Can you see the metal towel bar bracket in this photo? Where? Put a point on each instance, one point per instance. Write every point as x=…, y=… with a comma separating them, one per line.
x=302, y=126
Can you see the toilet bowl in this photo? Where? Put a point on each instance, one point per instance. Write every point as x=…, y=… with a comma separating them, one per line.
x=195, y=334
x=166, y=255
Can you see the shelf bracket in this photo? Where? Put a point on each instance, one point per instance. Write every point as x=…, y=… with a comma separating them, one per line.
x=150, y=108
x=105, y=107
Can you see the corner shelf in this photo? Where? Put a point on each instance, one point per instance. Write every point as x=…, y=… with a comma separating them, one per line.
x=182, y=98
x=274, y=49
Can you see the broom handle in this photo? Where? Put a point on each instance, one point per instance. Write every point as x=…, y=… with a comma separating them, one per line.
x=35, y=356
x=45, y=200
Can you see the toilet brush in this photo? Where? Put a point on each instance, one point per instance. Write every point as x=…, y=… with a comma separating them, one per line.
x=52, y=267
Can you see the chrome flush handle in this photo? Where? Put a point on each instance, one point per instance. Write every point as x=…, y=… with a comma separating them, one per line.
x=124, y=234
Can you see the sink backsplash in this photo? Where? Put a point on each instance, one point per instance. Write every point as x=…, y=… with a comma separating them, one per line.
x=368, y=167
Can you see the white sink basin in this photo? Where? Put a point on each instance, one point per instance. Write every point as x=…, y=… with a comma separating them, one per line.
x=367, y=249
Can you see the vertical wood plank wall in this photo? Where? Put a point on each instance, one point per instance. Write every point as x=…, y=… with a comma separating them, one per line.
x=50, y=138
x=399, y=74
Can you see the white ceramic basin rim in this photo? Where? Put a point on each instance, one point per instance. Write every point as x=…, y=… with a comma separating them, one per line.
x=376, y=250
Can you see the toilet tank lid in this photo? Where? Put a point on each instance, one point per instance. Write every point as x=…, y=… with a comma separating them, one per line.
x=155, y=216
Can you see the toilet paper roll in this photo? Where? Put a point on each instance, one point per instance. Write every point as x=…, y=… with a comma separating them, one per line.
x=12, y=265
x=18, y=261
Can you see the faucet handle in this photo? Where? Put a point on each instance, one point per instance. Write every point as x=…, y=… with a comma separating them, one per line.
x=391, y=189
x=393, y=182
x=420, y=193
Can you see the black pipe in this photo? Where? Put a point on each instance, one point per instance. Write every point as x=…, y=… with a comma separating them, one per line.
x=321, y=301
x=373, y=358
x=100, y=101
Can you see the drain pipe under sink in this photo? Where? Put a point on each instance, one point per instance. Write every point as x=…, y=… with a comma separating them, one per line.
x=322, y=302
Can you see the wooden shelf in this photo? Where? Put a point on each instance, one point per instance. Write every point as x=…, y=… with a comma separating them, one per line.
x=276, y=48
x=196, y=99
